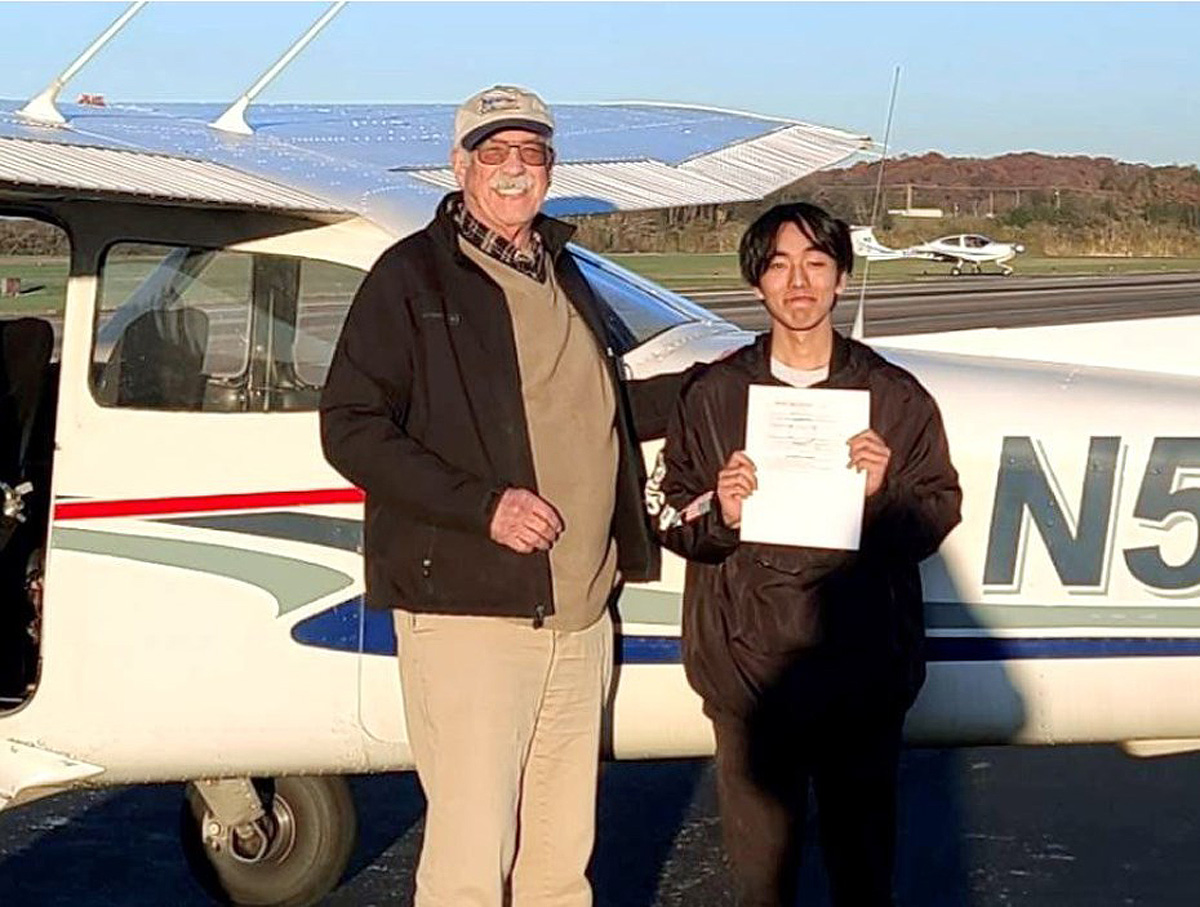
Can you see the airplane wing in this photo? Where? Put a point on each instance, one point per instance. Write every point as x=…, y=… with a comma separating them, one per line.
x=83, y=170
x=633, y=156
x=388, y=161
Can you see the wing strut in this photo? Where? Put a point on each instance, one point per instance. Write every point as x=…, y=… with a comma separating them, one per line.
x=234, y=118
x=856, y=332
x=41, y=108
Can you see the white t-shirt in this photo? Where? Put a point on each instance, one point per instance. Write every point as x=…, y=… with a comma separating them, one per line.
x=798, y=377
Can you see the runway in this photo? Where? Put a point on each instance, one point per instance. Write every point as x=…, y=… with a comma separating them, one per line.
x=951, y=303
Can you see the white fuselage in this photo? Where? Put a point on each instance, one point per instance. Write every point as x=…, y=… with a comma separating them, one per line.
x=203, y=614
x=967, y=248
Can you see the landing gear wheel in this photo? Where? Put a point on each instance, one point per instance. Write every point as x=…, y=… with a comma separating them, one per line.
x=956, y=271
x=312, y=826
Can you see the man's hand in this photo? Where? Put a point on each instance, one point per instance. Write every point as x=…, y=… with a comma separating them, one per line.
x=524, y=522
x=868, y=453
x=735, y=482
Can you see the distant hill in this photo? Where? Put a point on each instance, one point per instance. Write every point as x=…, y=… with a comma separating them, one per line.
x=1072, y=205
x=1026, y=169
x=1056, y=205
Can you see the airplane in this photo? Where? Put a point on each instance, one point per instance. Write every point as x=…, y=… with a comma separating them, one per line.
x=962, y=250
x=181, y=571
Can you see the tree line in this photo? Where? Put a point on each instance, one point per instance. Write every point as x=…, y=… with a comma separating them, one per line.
x=1055, y=206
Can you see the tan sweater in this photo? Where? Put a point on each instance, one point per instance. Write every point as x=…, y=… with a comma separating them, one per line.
x=570, y=411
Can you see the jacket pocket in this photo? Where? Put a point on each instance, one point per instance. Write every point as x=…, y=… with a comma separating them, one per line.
x=425, y=566
x=406, y=552
x=774, y=596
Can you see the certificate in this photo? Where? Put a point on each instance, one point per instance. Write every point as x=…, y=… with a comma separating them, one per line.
x=807, y=495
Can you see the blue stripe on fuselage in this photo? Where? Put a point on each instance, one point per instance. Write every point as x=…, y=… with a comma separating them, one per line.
x=349, y=627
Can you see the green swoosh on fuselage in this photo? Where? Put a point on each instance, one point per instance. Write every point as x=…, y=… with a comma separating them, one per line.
x=293, y=583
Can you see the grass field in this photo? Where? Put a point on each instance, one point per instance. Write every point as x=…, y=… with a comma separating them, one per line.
x=718, y=271
x=225, y=280
x=43, y=284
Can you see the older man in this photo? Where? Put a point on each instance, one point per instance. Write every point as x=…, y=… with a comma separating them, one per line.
x=475, y=397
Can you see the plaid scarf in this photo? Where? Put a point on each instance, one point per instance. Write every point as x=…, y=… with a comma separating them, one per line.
x=531, y=263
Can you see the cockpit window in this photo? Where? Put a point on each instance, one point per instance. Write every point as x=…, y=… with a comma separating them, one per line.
x=171, y=320
x=635, y=308
x=218, y=330
x=194, y=329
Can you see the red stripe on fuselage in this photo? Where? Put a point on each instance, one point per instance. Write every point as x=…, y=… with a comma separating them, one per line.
x=87, y=510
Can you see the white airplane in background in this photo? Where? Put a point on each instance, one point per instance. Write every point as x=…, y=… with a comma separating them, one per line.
x=960, y=250
x=181, y=571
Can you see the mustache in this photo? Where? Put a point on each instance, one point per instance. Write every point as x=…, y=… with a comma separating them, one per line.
x=507, y=183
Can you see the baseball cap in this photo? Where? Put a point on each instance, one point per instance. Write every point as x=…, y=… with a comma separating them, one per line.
x=500, y=107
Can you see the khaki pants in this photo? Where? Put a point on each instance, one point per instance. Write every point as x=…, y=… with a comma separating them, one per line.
x=504, y=723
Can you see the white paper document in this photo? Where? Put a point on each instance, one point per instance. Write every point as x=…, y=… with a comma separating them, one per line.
x=806, y=495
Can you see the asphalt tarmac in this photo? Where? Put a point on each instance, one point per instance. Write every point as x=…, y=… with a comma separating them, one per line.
x=984, y=827
x=970, y=301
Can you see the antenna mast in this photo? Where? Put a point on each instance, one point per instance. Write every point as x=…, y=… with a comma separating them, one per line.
x=860, y=316
x=234, y=118
x=41, y=108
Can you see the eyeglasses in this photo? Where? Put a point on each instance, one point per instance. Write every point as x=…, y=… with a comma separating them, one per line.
x=533, y=154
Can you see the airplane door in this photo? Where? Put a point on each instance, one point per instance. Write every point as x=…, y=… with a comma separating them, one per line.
x=34, y=263
x=197, y=524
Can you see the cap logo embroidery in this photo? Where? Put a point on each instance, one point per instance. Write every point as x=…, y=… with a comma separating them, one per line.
x=491, y=102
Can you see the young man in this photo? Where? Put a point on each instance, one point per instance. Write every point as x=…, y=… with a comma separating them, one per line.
x=475, y=398
x=807, y=659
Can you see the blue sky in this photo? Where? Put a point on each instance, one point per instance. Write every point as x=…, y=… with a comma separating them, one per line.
x=1120, y=80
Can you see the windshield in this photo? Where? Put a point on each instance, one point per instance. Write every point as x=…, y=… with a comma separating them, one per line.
x=635, y=309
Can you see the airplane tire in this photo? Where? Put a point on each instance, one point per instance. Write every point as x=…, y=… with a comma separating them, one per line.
x=317, y=828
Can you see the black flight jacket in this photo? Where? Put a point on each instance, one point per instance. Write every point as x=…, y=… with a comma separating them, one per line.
x=752, y=612
x=422, y=410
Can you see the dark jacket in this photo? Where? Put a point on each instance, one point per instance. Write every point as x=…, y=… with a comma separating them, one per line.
x=423, y=411
x=754, y=612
